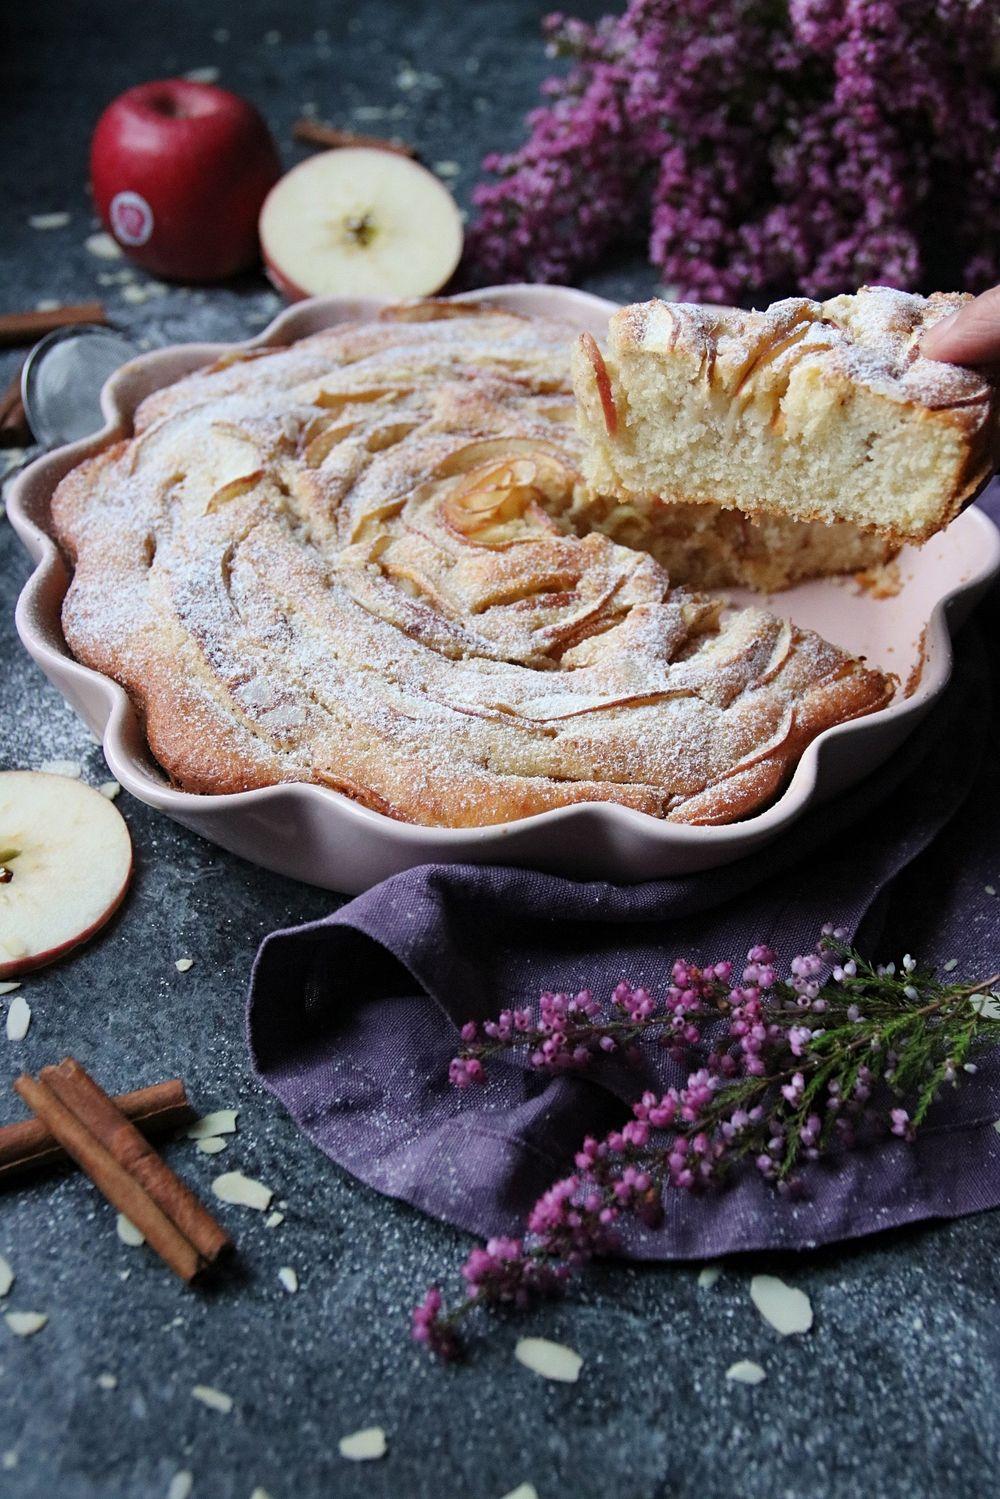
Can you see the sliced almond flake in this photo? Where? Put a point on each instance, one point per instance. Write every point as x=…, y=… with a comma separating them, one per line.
x=110, y=789
x=18, y=1018
x=107, y=1381
x=24, y=1324
x=787, y=1309
x=183, y=964
x=48, y=220
x=8, y=986
x=181, y=1484
x=70, y=768
x=201, y=75
x=523, y=1491
x=233, y=1186
x=128, y=1233
x=951, y=965
x=273, y=1219
x=221, y=1122
x=987, y=1005
x=259, y=1493
x=708, y=1276
x=746, y=1372
x=363, y=1446
x=6, y=1275
x=288, y=1278
x=46, y=304
x=216, y=1400
x=212, y=1144
x=990, y=889
x=550, y=1360
x=103, y=246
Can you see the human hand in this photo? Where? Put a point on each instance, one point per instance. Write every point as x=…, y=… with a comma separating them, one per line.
x=969, y=336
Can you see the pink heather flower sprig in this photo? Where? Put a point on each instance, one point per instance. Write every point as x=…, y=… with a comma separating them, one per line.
x=762, y=146
x=778, y=1072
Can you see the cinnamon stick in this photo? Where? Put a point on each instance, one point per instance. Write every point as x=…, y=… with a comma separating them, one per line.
x=111, y=1178
x=76, y=1089
x=26, y=327
x=314, y=133
x=28, y=1146
x=14, y=429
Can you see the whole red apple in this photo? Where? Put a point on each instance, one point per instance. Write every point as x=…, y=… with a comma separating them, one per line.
x=179, y=171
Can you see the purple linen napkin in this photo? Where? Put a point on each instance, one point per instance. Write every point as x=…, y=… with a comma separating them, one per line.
x=352, y=1020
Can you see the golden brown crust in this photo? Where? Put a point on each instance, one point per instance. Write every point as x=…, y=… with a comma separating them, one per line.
x=351, y=562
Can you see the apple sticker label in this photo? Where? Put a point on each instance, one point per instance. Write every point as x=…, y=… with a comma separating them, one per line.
x=131, y=218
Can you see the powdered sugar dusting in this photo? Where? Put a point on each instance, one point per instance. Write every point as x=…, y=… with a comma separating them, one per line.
x=351, y=562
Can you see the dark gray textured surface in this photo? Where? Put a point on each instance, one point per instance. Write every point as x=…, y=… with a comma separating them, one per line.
x=893, y=1392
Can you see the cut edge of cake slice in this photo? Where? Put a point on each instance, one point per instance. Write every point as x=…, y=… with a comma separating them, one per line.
x=809, y=411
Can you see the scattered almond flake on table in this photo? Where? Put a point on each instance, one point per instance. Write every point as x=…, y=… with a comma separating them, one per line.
x=25, y=1324
x=6, y=1275
x=219, y=1122
x=951, y=965
x=183, y=964
x=259, y=1493
x=48, y=220
x=787, y=1309
x=103, y=246
x=363, y=1446
x=273, y=1219
x=550, y=1360
x=128, y=1233
x=746, y=1372
x=18, y=1018
x=523, y=1491
x=216, y=1400
x=107, y=1381
x=201, y=75
x=987, y=1005
x=181, y=1484
x=233, y=1186
x=288, y=1278
x=8, y=986
x=990, y=889
x=69, y=768
x=46, y=304
x=212, y=1144
x=708, y=1276
x=110, y=789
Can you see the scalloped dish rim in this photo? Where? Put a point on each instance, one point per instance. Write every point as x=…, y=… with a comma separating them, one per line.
x=663, y=846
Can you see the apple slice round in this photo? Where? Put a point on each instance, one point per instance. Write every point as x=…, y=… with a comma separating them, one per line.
x=360, y=223
x=65, y=862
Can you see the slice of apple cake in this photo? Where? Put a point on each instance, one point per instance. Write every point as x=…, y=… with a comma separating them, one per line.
x=818, y=412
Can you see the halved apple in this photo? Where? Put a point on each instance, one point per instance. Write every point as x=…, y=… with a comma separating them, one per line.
x=360, y=223
x=65, y=862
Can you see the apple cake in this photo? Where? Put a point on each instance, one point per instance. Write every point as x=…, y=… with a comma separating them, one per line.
x=353, y=561
x=817, y=412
